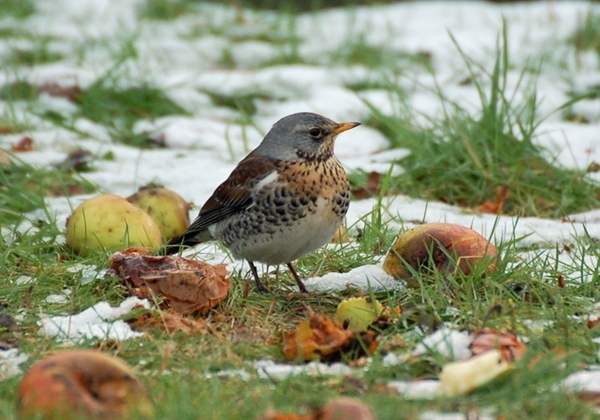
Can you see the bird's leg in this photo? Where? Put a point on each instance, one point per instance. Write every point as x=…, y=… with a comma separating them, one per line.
x=259, y=285
x=297, y=278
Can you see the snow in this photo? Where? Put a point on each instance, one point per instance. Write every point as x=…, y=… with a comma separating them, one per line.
x=268, y=369
x=100, y=321
x=9, y=363
x=449, y=343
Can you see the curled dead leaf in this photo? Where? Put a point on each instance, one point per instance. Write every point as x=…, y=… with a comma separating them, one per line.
x=337, y=409
x=508, y=344
x=370, y=188
x=327, y=339
x=495, y=205
x=185, y=285
x=25, y=144
x=170, y=323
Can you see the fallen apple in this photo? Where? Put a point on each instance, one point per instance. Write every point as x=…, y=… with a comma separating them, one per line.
x=443, y=246
x=359, y=312
x=168, y=209
x=346, y=409
x=82, y=384
x=109, y=222
x=460, y=378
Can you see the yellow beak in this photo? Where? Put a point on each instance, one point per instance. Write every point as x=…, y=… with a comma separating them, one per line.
x=344, y=127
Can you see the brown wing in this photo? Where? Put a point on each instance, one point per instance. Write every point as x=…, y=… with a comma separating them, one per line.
x=232, y=196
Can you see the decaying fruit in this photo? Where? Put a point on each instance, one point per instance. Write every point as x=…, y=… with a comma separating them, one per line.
x=346, y=409
x=168, y=209
x=462, y=377
x=442, y=246
x=110, y=222
x=359, y=312
x=82, y=384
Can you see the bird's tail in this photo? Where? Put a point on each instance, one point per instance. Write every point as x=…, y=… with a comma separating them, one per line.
x=189, y=238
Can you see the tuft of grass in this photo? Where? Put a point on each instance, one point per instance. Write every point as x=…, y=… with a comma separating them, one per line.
x=165, y=9
x=359, y=51
x=19, y=9
x=462, y=159
x=18, y=91
x=23, y=188
x=39, y=53
x=587, y=37
x=120, y=108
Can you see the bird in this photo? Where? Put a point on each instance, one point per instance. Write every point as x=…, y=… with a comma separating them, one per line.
x=285, y=199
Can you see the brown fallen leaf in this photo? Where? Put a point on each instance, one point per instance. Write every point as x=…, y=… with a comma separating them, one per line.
x=77, y=160
x=341, y=236
x=510, y=347
x=337, y=409
x=170, y=323
x=591, y=324
x=5, y=158
x=185, y=285
x=495, y=205
x=371, y=187
x=54, y=89
x=325, y=338
x=23, y=145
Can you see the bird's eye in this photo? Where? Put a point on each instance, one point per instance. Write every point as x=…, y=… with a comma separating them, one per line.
x=314, y=132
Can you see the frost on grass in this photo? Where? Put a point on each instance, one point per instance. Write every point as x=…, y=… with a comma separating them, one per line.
x=100, y=321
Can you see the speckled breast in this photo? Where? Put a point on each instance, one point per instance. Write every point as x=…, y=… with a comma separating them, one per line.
x=292, y=216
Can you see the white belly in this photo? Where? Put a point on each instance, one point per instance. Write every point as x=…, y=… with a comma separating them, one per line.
x=289, y=243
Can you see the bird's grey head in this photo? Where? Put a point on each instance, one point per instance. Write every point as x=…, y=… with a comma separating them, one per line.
x=302, y=136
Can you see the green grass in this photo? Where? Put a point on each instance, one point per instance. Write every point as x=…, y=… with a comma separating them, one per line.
x=39, y=53
x=166, y=9
x=120, y=108
x=19, y=9
x=461, y=159
x=587, y=36
x=23, y=188
x=359, y=51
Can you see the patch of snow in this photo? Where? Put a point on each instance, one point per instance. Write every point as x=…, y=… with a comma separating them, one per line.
x=268, y=369
x=99, y=321
x=9, y=363
x=366, y=277
x=447, y=342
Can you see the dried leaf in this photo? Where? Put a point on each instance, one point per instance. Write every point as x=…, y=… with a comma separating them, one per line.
x=592, y=324
x=341, y=236
x=23, y=145
x=54, y=89
x=494, y=206
x=77, y=160
x=371, y=187
x=5, y=158
x=185, y=285
x=169, y=323
x=509, y=345
x=325, y=338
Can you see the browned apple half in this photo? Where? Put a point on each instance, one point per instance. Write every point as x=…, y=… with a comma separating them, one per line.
x=82, y=384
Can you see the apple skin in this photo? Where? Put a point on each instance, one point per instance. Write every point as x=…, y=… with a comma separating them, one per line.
x=82, y=384
x=346, y=409
x=359, y=312
x=427, y=246
x=168, y=209
x=109, y=222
